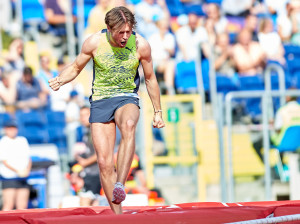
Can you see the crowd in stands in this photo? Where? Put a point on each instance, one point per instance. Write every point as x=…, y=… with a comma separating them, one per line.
x=242, y=37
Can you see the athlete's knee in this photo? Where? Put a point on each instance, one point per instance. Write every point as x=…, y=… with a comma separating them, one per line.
x=129, y=126
x=105, y=165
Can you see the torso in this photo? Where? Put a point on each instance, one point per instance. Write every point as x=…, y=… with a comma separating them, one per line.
x=115, y=69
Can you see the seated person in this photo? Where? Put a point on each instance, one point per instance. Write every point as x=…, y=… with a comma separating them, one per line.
x=270, y=41
x=248, y=56
x=8, y=90
x=29, y=92
x=286, y=116
x=163, y=48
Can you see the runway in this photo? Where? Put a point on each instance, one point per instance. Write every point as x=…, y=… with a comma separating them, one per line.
x=202, y=212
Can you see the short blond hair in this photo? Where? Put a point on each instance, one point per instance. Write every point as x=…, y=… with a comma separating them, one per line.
x=118, y=16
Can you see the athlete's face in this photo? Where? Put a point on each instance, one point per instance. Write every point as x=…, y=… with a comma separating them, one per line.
x=119, y=37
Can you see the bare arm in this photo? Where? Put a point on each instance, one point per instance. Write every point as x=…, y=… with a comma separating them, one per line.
x=72, y=70
x=144, y=52
x=88, y=161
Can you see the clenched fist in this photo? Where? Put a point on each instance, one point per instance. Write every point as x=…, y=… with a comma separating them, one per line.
x=55, y=83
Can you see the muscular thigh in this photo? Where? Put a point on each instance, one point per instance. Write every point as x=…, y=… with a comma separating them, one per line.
x=127, y=113
x=104, y=136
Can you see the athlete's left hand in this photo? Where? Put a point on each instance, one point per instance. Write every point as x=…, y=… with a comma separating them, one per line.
x=158, y=122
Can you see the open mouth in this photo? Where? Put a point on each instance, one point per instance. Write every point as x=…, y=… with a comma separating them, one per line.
x=123, y=43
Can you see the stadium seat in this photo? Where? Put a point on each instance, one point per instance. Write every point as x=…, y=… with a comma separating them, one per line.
x=288, y=141
x=56, y=129
x=225, y=84
x=292, y=56
x=251, y=82
x=56, y=118
x=185, y=78
x=175, y=7
x=34, y=134
x=33, y=118
x=33, y=14
x=4, y=117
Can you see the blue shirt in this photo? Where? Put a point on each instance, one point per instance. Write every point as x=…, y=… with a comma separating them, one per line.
x=28, y=91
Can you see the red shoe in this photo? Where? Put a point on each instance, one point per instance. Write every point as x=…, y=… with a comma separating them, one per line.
x=119, y=194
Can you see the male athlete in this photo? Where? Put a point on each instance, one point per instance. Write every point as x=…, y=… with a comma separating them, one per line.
x=117, y=53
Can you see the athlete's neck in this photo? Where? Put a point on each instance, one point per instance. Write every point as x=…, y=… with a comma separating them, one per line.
x=111, y=40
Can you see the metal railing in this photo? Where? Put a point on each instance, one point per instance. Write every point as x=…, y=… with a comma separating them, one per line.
x=264, y=95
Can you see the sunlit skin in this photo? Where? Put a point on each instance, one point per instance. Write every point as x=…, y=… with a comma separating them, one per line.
x=119, y=37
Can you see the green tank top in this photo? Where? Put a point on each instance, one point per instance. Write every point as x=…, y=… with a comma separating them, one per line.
x=115, y=70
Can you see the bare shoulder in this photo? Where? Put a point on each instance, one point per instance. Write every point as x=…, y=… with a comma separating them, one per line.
x=143, y=47
x=91, y=44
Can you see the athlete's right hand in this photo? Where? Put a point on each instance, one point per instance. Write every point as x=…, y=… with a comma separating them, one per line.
x=55, y=83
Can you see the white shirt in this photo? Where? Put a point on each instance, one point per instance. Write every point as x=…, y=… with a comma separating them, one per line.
x=160, y=45
x=286, y=25
x=190, y=40
x=16, y=153
x=270, y=43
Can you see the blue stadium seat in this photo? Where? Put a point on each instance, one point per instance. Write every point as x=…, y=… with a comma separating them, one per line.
x=292, y=56
x=34, y=134
x=3, y=118
x=225, y=84
x=56, y=129
x=251, y=82
x=56, y=118
x=290, y=139
x=185, y=78
x=32, y=9
x=32, y=118
x=175, y=7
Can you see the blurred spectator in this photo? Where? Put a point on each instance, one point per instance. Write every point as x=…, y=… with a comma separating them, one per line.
x=276, y=7
x=284, y=24
x=286, y=116
x=251, y=23
x=188, y=39
x=85, y=156
x=56, y=15
x=45, y=73
x=295, y=17
x=57, y=99
x=209, y=37
x=236, y=7
x=220, y=22
x=15, y=167
x=147, y=12
x=97, y=15
x=163, y=49
x=127, y=3
x=8, y=90
x=14, y=57
x=6, y=15
x=270, y=41
x=248, y=56
x=29, y=92
x=223, y=56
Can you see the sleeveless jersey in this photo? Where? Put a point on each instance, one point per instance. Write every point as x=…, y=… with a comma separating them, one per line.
x=115, y=70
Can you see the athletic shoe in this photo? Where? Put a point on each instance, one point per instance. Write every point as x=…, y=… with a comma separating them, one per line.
x=119, y=194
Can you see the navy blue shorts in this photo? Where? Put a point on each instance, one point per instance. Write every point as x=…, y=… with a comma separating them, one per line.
x=103, y=110
x=14, y=183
